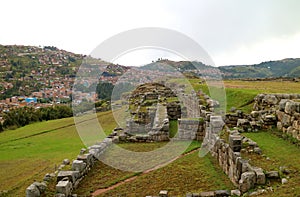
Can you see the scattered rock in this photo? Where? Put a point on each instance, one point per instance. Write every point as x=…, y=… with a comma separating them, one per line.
x=82, y=151
x=257, y=150
x=163, y=193
x=32, y=191
x=272, y=175
x=236, y=192
x=222, y=193
x=66, y=162
x=284, y=181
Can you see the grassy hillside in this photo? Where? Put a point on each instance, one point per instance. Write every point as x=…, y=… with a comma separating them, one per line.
x=280, y=153
x=189, y=173
x=28, y=153
x=281, y=68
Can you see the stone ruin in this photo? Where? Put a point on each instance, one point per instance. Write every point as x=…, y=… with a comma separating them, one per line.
x=151, y=112
x=270, y=110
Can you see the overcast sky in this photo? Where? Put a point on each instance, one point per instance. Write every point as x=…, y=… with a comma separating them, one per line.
x=231, y=31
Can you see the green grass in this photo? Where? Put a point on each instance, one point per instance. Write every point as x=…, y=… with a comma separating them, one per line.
x=173, y=128
x=280, y=153
x=189, y=173
x=28, y=153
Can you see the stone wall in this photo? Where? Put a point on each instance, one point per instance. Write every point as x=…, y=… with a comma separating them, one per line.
x=274, y=110
x=67, y=180
x=191, y=129
x=288, y=116
x=239, y=171
x=174, y=110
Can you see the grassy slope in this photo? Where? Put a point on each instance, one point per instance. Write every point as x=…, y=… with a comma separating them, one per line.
x=281, y=153
x=28, y=153
x=187, y=174
x=239, y=94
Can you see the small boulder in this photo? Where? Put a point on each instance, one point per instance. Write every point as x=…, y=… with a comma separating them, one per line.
x=284, y=181
x=236, y=192
x=66, y=162
x=272, y=175
x=32, y=191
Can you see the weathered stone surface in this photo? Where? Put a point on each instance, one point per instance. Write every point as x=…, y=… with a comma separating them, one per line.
x=163, y=193
x=282, y=104
x=286, y=120
x=222, y=193
x=78, y=165
x=60, y=195
x=257, y=150
x=254, y=114
x=207, y=194
x=41, y=186
x=115, y=139
x=66, y=162
x=235, y=143
x=260, y=176
x=71, y=175
x=47, y=177
x=290, y=107
x=64, y=187
x=87, y=158
x=33, y=191
x=272, y=175
x=236, y=192
x=284, y=181
x=247, y=181
x=270, y=99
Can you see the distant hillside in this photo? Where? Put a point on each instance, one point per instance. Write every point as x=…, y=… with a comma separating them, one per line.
x=27, y=69
x=281, y=68
x=186, y=67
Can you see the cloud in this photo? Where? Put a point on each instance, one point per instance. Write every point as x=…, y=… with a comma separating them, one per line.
x=223, y=28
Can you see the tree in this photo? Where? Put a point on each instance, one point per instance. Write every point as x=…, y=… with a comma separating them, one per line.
x=1, y=127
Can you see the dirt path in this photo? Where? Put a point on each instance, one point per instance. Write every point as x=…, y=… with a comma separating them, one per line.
x=101, y=191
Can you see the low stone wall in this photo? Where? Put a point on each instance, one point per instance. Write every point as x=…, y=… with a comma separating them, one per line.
x=191, y=129
x=274, y=110
x=239, y=171
x=288, y=116
x=232, y=118
x=67, y=180
x=271, y=101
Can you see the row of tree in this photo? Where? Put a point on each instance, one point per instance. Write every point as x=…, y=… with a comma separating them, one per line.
x=23, y=116
x=20, y=117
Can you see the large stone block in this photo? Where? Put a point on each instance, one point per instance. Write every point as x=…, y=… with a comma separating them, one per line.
x=290, y=107
x=272, y=174
x=64, y=187
x=78, y=165
x=282, y=104
x=33, y=191
x=222, y=193
x=163, y=193
x=235, y=143
x=286, y=120
x=87, y=158
x=260, y=176
x=71, y=175
x=247, y=181
x=207, y=194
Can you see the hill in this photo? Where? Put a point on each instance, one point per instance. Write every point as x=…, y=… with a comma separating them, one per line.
x=288, y=68
x=28, y=69
x=282, y=68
